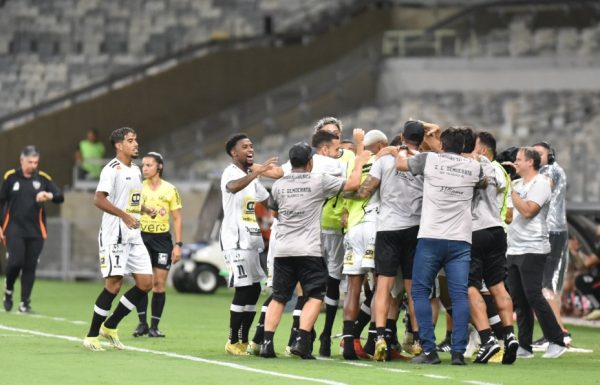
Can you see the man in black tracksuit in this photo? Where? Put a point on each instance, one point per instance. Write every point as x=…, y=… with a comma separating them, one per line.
x=23, y=223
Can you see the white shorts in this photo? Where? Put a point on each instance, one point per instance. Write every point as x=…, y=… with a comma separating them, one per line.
x=359, y=243
x=120, y=259
x=333, y=252
x=244, y=267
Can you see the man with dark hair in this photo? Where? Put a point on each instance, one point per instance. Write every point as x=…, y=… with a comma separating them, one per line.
x=332, y=235
x=486, y=146
x=89, y=155
x=444, y=237
x=558, y=260
x=23, y=226
x=396, y=237
x=122, y=250
x=240, y=237
x=528, y=249
x=298, y=201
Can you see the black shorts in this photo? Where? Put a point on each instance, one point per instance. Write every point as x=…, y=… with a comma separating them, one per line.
x=488, y=257
x=159, y=247
x=311, y=272
x=395, y=249
x=556, y=264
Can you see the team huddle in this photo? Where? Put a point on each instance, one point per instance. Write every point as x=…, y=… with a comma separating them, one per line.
x=428, y=214
x=431, y=213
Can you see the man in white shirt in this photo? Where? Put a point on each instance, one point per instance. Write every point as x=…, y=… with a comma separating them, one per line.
x=122, y=250
x=528, y=249
x=241, y=239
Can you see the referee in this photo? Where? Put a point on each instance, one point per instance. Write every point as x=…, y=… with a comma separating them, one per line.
x=162, y=198
x=23, y=231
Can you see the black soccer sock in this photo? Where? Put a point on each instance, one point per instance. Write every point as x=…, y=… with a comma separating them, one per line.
x=369, y=347
x=142, y=309
x=236, y=314
x=508, y=330
x=268, y=337
x=126, y=305
x=158, y=304
x=364, y=316
x=391, y=325
x=250, y=299
x=332, y=297
x=380, y=332
x=485, y=335
x=348, y=338
x=296, y=319
x=259, y=334
x=493, y=316
x=101, y=310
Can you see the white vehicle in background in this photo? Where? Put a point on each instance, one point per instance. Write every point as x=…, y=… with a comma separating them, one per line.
x=202, y=269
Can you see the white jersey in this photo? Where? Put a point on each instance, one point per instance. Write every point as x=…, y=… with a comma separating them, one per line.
x=240, y=229
x=123, y=184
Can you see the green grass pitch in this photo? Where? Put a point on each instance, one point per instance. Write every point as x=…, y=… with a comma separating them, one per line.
x=192, y=353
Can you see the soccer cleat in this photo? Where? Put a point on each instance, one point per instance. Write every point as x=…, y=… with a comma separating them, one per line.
x=360, y=352
x=325, y=348
x=554, y=351
x=380, y=349
x=112, y=337
x=567, y=338
x=524, y=353
x=444, y=346
x=430, y=358
x=414, y=348
x=300, y=348
x=154, y=332
x=253, y=348
x=396, y=355
x=474, y=342
x=24, y=307
x=8, y=301
x=235, y=349
x=540, y=345
x=288, y=351
x=267, y=350
x=458, y=359
x=497, y=358
x=511, y=347
x=93, y=344
x=141, y=329
x=487, y=350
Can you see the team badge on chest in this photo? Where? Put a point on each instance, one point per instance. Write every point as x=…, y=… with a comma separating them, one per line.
x=36, y=184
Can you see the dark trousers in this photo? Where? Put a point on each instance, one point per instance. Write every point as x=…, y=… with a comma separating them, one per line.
x=23, y=255
x=525, y=274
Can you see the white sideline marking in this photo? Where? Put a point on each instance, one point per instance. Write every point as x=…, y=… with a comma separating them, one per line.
x=394, y=370
x=181, y=356
x=437, y=376
x=357, y=364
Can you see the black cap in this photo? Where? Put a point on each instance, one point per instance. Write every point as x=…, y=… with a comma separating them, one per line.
x=414, y=131
x=300, y=154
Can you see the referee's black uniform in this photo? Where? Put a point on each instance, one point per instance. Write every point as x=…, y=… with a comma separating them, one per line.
x=24, y=226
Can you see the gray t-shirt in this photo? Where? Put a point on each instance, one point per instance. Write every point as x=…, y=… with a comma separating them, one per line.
x=557, y=214
x=450, y=181
x=402, y=194
x=299, y=198
x=486, y=212
x=530, y=235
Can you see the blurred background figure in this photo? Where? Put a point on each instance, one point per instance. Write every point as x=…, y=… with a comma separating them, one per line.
x=89, y=155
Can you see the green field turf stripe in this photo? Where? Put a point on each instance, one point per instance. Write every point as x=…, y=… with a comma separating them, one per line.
x=181, y=356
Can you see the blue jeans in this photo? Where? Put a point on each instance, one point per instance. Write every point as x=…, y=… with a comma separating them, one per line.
x=454, y=256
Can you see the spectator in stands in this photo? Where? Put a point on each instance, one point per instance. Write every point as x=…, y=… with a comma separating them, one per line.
x=89, y=155
x=588, y=283
x=22, y=196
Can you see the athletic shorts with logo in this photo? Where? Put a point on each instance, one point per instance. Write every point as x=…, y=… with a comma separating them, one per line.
x=244, y=267
x=359, y=244
x=311, y=272
x=160, y=248
x=396, y=249
x=488, y=257
x=120, y=259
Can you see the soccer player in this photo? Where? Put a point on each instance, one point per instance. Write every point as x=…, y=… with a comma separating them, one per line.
x=360, y=239
x=122, y=250
x=556, y=265
x=333, y=237
x=162, y=198
x=23, y=227
x=397, y=229
x=241, y=239
x=528, y=250
x=444, y=238
x=298, y=200
x=488, y=262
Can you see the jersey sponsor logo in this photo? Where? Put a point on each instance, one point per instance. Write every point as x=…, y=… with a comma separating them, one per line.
x=16, y=186
x=162, y=258
x=248, y=213
x=135, y=200
x=155, y=227
x=36, y=184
